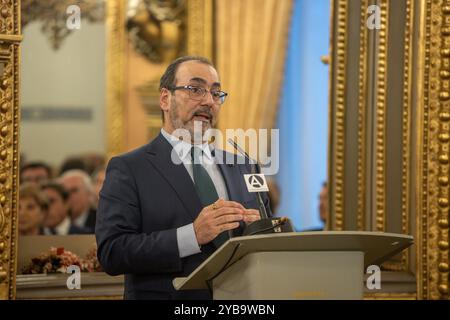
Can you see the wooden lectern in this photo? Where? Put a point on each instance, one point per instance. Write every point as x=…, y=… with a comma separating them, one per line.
x=306, y=265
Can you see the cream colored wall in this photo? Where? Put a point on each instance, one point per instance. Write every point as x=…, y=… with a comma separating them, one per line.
x=73, y=76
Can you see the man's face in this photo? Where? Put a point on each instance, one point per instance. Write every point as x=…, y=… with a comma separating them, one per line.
x=80, y=198
x=181, y=109
x=57, y=208
x=36, y=176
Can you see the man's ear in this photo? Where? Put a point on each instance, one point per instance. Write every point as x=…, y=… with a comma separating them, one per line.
x=164, y=97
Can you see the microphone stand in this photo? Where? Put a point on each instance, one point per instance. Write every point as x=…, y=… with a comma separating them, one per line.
x=266, y=224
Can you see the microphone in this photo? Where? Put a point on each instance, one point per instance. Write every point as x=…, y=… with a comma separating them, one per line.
x=262, y=207
x=266, y=224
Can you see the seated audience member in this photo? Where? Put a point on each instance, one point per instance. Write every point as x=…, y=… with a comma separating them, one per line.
x=35, y=172
x=33, y=208
x=97, y=179
x=58, y=220
x=94, y=161
x=78, y=185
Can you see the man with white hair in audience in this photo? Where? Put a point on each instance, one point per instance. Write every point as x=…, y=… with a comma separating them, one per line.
x=79, y=186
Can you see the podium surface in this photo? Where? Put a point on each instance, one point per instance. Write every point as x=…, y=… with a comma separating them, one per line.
x=297, y=265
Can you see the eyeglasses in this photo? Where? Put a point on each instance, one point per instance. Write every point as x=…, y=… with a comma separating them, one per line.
x=199, y=93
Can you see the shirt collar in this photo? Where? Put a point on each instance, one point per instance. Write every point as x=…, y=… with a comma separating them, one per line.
x=63, y=227
x=81, y=220
x=184, y=149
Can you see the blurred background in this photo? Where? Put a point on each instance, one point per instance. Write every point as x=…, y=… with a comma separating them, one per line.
x=90, y=90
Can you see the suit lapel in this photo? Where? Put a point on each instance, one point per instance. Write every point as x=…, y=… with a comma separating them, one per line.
x=233, y=181
x=159, y=154
x=232, y=176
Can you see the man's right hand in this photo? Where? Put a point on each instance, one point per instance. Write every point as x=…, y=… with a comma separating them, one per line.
x=216, y=218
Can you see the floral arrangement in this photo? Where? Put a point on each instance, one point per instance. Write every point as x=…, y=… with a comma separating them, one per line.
x=58, y=260
x=90, y=262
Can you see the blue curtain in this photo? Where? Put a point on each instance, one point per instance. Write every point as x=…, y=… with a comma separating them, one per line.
x=303, y=115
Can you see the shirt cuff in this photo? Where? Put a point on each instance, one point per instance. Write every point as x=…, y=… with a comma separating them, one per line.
x=187, y=241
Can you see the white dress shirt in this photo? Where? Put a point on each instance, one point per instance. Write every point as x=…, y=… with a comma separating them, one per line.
x=61, y=229
x=81, y=220
x=186, y=239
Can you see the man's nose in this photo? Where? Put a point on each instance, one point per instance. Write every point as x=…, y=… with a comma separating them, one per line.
x=208, y=99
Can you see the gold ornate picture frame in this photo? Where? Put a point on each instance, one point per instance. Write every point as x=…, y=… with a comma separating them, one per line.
x=10, y=37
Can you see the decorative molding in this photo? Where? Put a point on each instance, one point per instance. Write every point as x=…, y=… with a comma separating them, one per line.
x=362, y=110
x=380, y=151
x=390, y=296
x=433, y=216
x=441, y=137
x=200, y=28
x=422, y=148
x=330, y=174
x=157, y=29
x=10, y=38
x=406, y=131
x=9, y=144
x=340, y=89
x=115, y=73
x=403, y=264
x=9, y=18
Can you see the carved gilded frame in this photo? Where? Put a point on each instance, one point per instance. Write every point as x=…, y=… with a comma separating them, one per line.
x=424, y=138
x=433, y=139
x=337, y=116
x=115, y=76
x=10, y=37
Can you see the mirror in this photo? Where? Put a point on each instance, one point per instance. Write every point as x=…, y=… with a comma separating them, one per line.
x=62, y=84
x=63, y=128
x=81, y=104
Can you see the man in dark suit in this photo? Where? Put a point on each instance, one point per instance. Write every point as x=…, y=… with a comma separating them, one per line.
x=162, y=210
x=57, y=221
x=81, y=198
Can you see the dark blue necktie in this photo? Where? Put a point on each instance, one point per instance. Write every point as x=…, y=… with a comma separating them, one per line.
x=205, y=189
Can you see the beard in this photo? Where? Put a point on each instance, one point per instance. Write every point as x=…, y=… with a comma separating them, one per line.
x=192, y=125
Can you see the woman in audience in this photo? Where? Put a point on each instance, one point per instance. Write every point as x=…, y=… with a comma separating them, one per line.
x=33, y=208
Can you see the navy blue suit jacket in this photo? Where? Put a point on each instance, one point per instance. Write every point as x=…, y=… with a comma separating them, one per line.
x=144, y=199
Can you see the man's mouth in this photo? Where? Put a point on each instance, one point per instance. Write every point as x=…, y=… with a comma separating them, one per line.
x=201, y=116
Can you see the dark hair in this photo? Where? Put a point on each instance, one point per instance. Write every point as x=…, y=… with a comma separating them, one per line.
x=36, y=165
x=58, y=188
x=167, y=80
x=28, y=190
x=72, y=163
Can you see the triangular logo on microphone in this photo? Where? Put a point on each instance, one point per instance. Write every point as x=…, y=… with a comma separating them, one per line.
x=256, y=183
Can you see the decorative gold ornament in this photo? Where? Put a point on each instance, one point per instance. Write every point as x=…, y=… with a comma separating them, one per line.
x=53, y=16
x=157, y=29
